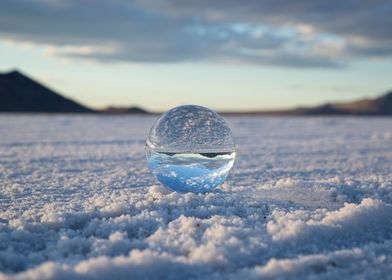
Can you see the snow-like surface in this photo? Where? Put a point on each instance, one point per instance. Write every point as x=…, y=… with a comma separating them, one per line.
x=307, y=198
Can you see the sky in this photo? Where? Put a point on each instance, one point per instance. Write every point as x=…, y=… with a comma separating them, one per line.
x=223, y=54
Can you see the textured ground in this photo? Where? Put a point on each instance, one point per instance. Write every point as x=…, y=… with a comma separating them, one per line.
x=308, y=198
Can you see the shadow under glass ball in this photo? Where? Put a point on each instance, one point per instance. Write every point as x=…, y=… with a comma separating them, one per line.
x=190, y=149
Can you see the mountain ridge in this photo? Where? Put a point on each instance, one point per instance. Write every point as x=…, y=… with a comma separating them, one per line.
x=380, y=106
x=21, y=94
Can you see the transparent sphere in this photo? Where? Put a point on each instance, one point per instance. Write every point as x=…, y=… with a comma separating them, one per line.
x=190, y=149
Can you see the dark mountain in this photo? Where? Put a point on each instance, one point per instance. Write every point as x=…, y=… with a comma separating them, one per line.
x=19, y=93
x=124, y=110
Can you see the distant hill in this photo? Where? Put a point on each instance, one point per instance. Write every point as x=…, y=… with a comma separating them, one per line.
x=19, y=93
x=123, y=110
x=381, y=106
x=369, y=107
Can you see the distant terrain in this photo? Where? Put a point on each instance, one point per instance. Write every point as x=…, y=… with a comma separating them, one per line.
x=123, y=110
x=381, y=106
x=21, y=94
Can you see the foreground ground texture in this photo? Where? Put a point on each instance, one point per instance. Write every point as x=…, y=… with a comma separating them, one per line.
x=308, y=198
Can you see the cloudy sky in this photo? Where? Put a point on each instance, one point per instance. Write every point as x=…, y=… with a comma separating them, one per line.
x=225, y=54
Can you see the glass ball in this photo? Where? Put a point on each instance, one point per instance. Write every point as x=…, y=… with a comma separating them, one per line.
x=190, y=149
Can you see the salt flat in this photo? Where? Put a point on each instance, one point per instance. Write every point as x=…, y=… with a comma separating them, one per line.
x=307, y=198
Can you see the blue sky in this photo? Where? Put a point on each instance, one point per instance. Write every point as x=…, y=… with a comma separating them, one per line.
x=224, y=54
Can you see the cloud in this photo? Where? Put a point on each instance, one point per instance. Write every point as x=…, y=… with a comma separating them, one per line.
x=285, y=33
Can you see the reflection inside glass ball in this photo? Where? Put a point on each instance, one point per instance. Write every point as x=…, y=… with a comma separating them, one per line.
x=190, y=149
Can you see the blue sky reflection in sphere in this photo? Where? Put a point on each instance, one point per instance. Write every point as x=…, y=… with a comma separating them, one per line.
x=190, y=149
